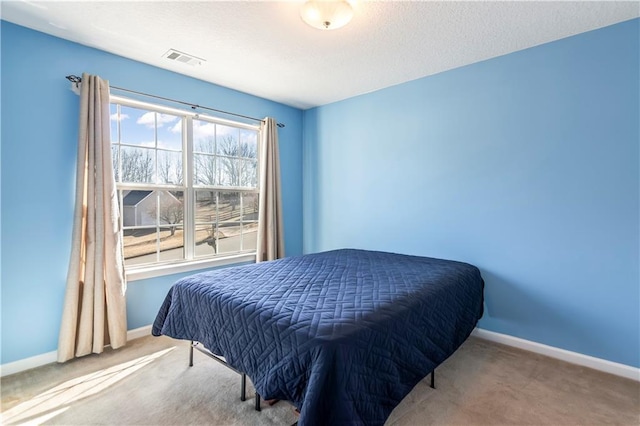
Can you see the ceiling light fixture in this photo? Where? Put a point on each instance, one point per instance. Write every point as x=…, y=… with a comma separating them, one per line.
x=327, y=14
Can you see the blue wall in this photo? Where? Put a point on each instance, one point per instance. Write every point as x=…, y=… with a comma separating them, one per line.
x=526, y=165
x=39, y=140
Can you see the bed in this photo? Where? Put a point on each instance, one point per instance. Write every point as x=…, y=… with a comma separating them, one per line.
x=343, y=335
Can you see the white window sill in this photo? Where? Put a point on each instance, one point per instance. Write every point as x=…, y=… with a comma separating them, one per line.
x=141, y=273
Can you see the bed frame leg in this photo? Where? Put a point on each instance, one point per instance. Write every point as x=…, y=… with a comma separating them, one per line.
x=433, y=379
x=243, y=387
x=257, y=402
x=191, y=354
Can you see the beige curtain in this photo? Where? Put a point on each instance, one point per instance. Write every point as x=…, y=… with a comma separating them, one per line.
x=94, y=307
x=270, y=227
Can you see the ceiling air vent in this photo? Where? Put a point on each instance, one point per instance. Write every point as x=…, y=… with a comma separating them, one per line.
x=185, y=58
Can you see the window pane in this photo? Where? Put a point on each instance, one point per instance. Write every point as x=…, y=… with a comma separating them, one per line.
x=170, y=167
x=229, y=237
x=171, y=208
x=227, y=140
x=228, y=206
x=171, y=243
x=248, y=143
x=137, y=164
x=230, y=171
x=137, y=126
x=250, y=236
x=249, y=221
x=206, y=207
x=169, y=131
x=206, y=223
x=249, y=207
x=139, y=208
x=140, y=246
x=204, y=137
x=205, y=240
x=249, y=173
x=204, y=169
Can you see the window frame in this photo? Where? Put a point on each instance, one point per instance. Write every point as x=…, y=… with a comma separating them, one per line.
x=190, y=261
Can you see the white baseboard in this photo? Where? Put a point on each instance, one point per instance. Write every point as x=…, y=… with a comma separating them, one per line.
x=50, y=357
x=137, y=333
x=28, y=363
x=615, y=368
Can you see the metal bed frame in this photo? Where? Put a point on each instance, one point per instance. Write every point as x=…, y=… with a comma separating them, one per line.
x=243, y=376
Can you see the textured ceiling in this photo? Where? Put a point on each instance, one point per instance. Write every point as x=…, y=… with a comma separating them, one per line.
x=265, y=49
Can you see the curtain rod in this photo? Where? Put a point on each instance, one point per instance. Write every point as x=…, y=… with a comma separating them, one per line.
x=77, y=80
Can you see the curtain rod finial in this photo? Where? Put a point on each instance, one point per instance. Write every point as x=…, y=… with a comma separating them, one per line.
x=74, y=79
x=75, y=83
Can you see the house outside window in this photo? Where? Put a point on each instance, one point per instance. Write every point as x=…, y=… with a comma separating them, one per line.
x=187, y=186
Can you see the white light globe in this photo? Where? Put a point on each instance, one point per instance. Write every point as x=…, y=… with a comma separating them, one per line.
x=327, y=14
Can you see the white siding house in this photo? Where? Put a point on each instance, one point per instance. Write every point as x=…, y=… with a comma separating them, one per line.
x=140, y=208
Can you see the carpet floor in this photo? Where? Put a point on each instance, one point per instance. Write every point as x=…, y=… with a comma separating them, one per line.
x=149, y=383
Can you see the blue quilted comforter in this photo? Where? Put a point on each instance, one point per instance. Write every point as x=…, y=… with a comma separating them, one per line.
x=343, y=335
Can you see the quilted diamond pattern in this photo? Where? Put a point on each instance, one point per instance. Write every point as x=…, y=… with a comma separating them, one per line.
x=344, y=335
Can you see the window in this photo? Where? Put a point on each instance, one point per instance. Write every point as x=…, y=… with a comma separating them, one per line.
x=187, y=185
